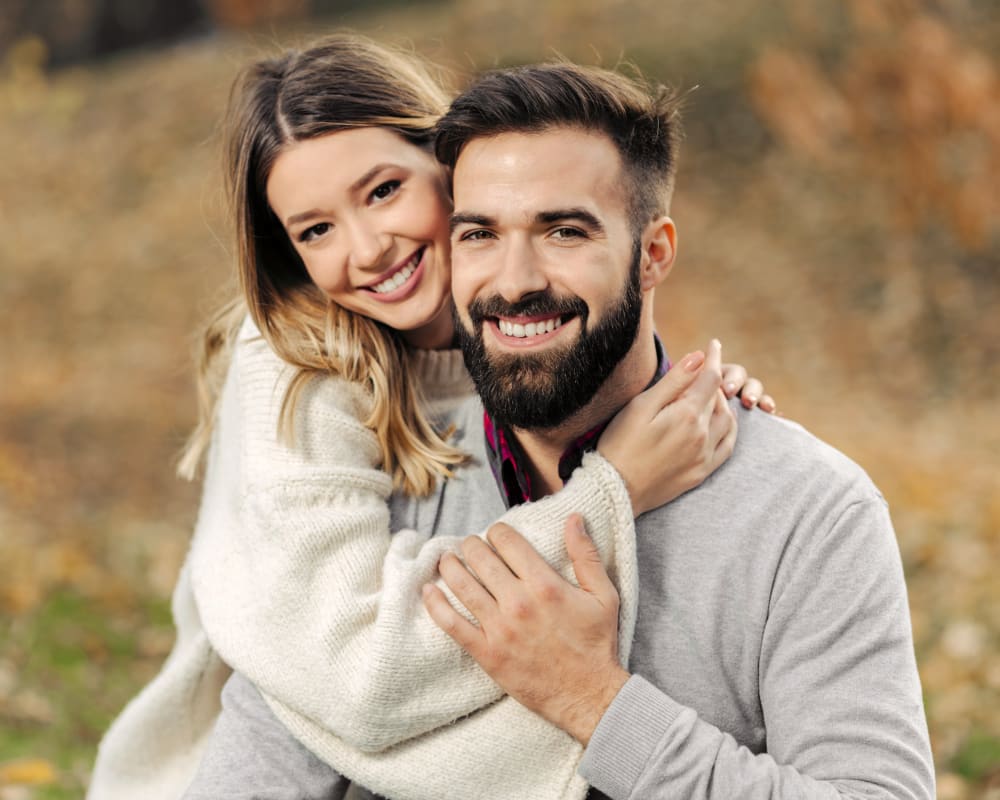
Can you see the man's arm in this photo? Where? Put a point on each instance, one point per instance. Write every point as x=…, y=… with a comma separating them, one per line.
x=838, y=683
x=251, y=755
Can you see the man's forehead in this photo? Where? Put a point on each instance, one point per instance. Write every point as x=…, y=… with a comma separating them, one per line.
x=532, y=173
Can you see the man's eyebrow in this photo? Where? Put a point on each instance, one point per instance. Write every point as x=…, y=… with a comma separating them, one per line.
x=459, y=218
x=318, y=212
x=568, y=214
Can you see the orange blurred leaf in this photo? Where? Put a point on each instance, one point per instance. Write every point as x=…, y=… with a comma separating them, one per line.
x=28, y=771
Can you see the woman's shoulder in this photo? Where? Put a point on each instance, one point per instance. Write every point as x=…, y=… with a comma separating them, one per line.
x=264, y=377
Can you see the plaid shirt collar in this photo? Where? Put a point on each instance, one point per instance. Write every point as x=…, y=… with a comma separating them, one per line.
x=509, y=463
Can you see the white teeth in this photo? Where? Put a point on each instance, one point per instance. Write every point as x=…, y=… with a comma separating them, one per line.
x=531, y=329
x=396, y=280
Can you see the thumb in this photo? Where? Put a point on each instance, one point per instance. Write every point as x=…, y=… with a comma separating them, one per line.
x=587, y=566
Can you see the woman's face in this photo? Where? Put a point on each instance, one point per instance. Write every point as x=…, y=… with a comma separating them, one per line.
x=368, y=213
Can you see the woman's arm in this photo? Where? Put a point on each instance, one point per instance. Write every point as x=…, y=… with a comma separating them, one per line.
x=303, y=589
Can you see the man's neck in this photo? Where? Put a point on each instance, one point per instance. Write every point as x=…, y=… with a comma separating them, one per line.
x=544, y=448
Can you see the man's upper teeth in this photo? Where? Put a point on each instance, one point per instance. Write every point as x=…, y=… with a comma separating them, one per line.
x=530, y=329
x=396, y=280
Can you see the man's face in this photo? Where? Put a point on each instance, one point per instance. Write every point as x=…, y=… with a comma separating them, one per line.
x=545, y=271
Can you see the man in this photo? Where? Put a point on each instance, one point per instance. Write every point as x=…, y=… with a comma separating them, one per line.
x=772, y=653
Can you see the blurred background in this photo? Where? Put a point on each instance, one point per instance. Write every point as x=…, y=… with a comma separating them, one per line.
x=839, y=213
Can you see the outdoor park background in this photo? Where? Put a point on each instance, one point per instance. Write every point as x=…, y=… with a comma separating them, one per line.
x=838, y=208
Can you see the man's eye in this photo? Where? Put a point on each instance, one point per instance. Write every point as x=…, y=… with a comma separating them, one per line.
x=475, y=236
x=384, y=190
x=568, y=233
x=314, y=232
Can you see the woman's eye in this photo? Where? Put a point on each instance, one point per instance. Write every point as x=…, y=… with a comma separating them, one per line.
x=384, y=190
x=314, y=232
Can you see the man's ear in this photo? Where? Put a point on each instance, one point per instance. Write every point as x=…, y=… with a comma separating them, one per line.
x=659, y=248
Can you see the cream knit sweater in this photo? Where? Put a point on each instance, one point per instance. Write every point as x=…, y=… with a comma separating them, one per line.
x=294, y=579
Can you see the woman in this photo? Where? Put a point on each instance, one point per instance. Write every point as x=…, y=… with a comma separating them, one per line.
x=293, y=578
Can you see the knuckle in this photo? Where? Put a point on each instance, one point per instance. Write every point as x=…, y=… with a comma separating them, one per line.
x=549, y=592
x=521, y=609
x=499, y=534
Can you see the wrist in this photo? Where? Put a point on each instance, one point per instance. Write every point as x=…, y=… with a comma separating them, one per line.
x=581, y=717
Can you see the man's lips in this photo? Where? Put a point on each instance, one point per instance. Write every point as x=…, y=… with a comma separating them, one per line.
x=527, y=327
x=394, y=277
x=527, y=331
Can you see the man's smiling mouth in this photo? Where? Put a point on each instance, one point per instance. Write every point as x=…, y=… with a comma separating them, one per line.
x=525, y=330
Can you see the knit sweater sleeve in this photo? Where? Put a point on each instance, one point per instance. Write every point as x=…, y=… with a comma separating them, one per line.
x=306, y=591
x=838, y=689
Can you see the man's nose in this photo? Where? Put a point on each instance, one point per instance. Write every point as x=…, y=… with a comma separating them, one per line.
x=367, y=244
x=521, y=273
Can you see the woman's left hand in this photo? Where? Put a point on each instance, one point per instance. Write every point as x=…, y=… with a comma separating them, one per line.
x=735, y=381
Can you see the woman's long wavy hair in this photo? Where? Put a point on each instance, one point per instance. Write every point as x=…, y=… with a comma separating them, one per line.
x=341, y=82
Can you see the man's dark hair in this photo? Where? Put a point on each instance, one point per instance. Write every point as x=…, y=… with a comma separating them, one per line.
x=640, y=118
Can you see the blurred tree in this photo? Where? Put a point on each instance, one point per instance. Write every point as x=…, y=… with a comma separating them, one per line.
x=78, y=30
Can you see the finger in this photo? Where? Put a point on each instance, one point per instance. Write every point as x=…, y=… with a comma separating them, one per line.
x=672, y=385
x=469, y=591
x=590, y=572
x=733, y=378
x=713, y=359
x=726, y=445
x=767, y=404
x=751, y=393
x=449, y=620
x=520, y=557
x=488, y=566
x=721, y=423
x=701, y=393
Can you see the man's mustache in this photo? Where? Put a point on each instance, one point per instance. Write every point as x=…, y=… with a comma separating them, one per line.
x=540, y=304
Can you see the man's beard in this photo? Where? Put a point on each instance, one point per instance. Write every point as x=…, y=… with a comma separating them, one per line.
x=539, y=391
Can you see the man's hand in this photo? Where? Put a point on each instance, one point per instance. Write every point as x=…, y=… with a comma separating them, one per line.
x=550, y=645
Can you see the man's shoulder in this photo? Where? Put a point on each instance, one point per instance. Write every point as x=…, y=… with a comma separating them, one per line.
x=782, y=484
x=778, y=451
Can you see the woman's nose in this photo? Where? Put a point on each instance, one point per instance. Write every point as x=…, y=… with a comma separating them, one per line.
x=367, y=245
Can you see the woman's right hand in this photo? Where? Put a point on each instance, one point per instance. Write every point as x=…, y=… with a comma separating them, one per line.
x=672, y=436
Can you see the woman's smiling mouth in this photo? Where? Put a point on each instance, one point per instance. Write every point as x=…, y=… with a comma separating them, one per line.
x=390, y=287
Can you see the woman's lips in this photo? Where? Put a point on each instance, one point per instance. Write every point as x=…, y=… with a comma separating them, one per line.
x=400, y=283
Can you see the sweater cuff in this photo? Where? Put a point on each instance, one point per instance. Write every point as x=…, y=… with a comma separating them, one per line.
x=627, y=736
x=611, y=483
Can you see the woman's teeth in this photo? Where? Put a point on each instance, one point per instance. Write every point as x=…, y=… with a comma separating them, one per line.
x=531, y=329
x=398, y=279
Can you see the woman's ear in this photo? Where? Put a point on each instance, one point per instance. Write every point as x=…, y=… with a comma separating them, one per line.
x=659, y=248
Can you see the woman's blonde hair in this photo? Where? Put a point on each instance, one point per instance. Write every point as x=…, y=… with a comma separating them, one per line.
x=341, y=82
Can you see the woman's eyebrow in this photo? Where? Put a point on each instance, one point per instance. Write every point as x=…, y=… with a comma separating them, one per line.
x=369, y=175
x=318, y=212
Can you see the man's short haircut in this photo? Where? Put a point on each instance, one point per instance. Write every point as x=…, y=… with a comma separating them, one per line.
x=642, y=119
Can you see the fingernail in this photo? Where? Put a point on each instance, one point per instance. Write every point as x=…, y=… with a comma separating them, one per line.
x=716, y=343
x=692, y=361
x=730, y=388
x=750, y=398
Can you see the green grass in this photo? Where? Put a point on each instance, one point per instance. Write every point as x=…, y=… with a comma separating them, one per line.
x=81, y=661
x=979, y=757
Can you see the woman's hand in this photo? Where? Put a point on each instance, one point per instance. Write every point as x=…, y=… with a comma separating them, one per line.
x=750, y=390
x=675, y=434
